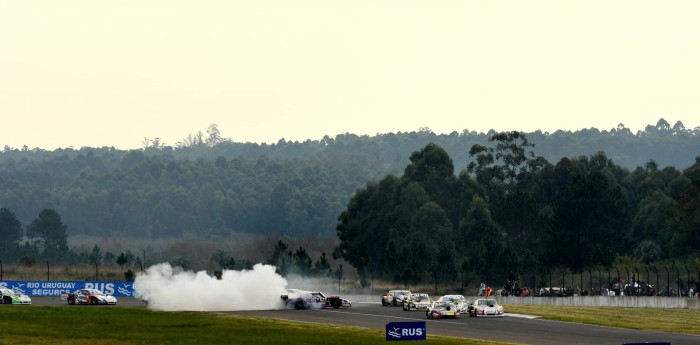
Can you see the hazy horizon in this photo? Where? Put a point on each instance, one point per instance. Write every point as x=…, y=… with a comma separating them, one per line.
x=93, y=73
x=223, y=136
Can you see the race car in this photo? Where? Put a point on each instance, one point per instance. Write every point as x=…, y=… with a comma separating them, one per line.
x=458, y=301
x=417, y=301
x=301, y=299
x=442, y=310
x=395, y=297
x=88, y=296
x=485, y=307
x=333, y=301
x=8, y=296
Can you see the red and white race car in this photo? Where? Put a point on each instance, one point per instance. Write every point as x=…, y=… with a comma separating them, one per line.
x=88, y=296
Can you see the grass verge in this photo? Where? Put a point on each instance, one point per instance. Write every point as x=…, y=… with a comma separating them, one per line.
x=685, y=321
x=109, y=325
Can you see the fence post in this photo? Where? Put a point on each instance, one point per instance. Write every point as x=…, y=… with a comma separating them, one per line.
x=668, y=281
x=563, y=280
x=687, y=277
x=48, y=270
x=646, y=268
x=0, y=269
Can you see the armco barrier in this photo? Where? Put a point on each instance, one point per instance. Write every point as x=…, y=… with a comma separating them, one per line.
x=35, y=288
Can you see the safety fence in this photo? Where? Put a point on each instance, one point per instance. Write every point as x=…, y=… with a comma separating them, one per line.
x=634, y=280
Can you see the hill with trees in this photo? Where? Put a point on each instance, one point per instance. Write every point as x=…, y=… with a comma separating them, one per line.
x=207, y=184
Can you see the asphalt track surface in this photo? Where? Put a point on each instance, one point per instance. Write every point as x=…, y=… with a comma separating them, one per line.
x=511, y=328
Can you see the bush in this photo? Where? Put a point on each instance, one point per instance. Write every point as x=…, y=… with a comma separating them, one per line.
x=129, y=275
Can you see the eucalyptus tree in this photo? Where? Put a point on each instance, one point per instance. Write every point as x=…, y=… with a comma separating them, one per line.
x=500, y=167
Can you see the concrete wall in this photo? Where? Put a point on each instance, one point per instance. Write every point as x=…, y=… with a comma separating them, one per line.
x=585, y=301
x=607, y=301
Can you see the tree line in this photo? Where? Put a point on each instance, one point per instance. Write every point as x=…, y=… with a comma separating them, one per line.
x=513, y=210
x=210, y=185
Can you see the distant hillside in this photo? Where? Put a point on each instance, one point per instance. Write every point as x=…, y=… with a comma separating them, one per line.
x=213, y=185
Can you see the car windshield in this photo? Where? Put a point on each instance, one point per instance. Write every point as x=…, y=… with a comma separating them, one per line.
x=487, y=302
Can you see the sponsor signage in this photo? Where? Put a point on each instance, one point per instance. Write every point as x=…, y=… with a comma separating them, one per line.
x=37, y=288
x=405, y=331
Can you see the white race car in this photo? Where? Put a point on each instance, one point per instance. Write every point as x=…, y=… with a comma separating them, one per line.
x=301, y=299
x=417, y=301
x=458, y=301
x=88, y=296
x=485, y=307
x=442, y=310
x=8, y=296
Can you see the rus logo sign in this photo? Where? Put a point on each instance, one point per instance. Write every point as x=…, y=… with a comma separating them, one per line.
x=405, y=331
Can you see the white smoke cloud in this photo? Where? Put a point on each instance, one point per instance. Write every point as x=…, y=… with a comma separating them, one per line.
x=171, y=289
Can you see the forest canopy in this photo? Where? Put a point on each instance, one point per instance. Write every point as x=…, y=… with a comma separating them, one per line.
x=208, y=185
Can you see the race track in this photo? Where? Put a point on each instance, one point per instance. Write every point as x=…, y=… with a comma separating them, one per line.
x=514, y=329
x=508, y=329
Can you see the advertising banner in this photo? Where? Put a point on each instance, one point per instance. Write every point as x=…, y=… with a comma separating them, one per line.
x=405, y=331
x=39, y=288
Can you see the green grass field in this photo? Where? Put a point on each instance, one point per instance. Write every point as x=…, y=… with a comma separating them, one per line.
x=116, y=325
x=665, y=320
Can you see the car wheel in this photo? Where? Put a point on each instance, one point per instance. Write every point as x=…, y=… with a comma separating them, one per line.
x=6, y=300
x=71, y=301
x=336, y=303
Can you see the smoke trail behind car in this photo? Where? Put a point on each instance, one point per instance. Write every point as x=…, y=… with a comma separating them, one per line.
x=171, y=289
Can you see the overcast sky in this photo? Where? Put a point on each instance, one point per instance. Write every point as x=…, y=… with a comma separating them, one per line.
x=109, y=73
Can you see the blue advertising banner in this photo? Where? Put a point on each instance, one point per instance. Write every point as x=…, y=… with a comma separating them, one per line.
x=38, y=288
x=405, y=331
